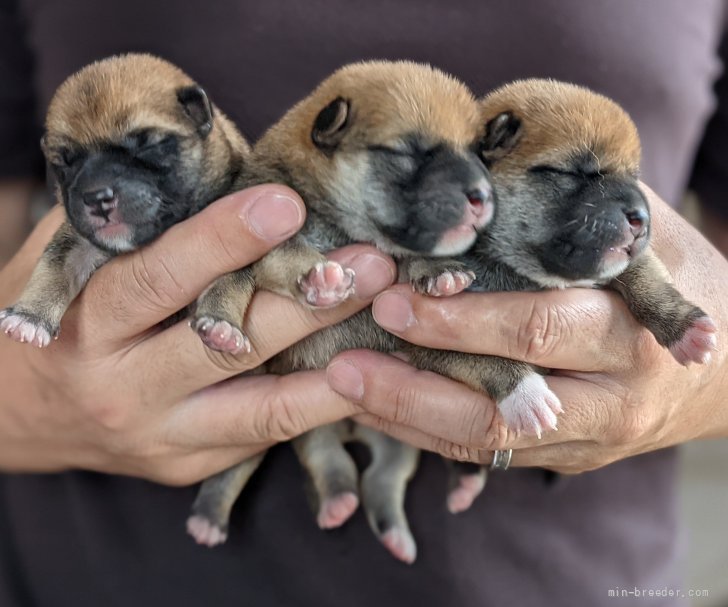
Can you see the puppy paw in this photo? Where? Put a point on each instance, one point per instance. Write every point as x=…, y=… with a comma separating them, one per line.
x=697, y=344
x=26, y=328
x=399, y=541
x=327, y=284
x=205, y=532
x=531, y=408
x=445, y=284
x=462, y=497
x=220, y=335
x=335, y=511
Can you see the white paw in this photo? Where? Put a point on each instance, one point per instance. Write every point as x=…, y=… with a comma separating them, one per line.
x=327, y=284
x=531, y=408
x=21, y=328
x=205, y=532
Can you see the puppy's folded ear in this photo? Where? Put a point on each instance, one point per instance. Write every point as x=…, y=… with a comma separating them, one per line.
x=330, y=125
x=501, y=136
x=198, y=107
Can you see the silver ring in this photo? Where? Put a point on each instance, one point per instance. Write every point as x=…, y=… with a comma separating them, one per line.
x=501, y=459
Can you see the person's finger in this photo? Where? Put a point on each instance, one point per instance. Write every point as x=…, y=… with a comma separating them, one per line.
x=586, y=330
x=447, y=415
x=426, y=442
x=134, y=292
x=257, y=409
x=395, y=391
x=179, y=363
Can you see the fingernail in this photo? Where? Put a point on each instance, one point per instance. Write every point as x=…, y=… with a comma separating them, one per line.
x=393, y=312
x=373, y=274
x=346, y=379
x=274, y=216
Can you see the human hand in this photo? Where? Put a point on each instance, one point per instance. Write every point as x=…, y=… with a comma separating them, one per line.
x=118, y=394
x=622, y=394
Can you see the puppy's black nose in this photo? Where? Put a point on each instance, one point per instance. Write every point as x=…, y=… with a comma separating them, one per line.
x=103, y=198
x=637, y=220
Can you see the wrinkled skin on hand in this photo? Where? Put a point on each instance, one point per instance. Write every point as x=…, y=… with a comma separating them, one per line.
x=622, y=393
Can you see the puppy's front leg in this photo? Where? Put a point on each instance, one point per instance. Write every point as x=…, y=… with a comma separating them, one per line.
x=297, y=270
x=437, y=277
x=524, y=399
x=677, y=324
x=62, y=271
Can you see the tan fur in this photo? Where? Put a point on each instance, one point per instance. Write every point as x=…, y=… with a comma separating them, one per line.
x=563, y=120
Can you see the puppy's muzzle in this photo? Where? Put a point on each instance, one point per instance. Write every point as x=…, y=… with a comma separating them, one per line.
x=100, y=202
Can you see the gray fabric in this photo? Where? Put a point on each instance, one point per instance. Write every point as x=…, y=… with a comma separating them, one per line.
x=89, y=539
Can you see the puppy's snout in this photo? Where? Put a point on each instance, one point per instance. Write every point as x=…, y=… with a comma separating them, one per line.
x=637, y=219
x=103, y=198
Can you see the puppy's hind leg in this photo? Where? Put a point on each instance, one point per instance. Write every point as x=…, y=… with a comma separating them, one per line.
x=467, y=481
x=383, y=488
x=210, y=517
x=332, y=472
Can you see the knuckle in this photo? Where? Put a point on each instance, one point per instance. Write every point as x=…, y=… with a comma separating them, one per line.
x=278, y=419
x=631, y=427
x=232, y=364
x=543, y=328
x=498, y=435
x=153, y=282
x=227, y=255
x=405, y=403
x=461, y=453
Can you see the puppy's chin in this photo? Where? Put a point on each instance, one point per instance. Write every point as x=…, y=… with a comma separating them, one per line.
x=115, y=238
x=462, y=237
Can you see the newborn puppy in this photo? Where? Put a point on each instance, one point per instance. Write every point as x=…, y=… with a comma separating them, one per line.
x=383, y=153
x=564, y=162
x=134, y=146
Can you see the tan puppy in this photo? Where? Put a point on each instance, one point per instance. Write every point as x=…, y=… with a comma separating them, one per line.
x=382, y=153
x=564, y=161
x=134, y=146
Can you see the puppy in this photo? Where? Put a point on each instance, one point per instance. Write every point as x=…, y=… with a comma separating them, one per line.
x=564, y=162
x=134, y=146
x=383, y=153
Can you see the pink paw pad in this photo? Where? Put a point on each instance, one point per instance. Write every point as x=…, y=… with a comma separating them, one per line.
x=335, y=511
x=697, y=344
x=401, y=544
x=449, y=283
x=463, y=496
x=531, y=408
x=220, y=335
x=327, y=284
x=22, y=329
x=205, y=532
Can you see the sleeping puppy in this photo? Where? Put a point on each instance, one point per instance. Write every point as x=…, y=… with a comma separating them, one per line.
x=564, y=162
x=134, y=146
x=383, y=153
